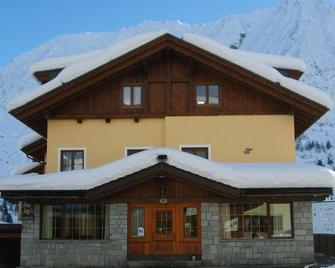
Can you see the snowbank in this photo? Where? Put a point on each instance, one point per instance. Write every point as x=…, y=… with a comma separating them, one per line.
x=239, y=175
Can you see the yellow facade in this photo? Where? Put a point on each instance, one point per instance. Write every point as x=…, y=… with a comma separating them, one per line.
x=271, y=137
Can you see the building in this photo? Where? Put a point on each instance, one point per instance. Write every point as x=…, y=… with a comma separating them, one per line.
x=167, y=148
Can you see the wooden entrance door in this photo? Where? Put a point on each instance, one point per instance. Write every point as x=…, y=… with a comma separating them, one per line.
x=158, y=230
x=163, y=231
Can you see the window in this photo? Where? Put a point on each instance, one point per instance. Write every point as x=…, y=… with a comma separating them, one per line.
x=190, y=222
x=207, y=94
x=133, y=150
x=255, y=220
x=132, y=95
x=73, y=221
x=202, y=151
x=137, y=222
x=163, y=221
x=280, y=220
x=71, y=160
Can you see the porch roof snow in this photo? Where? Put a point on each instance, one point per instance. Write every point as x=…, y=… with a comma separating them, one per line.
x=238, y=175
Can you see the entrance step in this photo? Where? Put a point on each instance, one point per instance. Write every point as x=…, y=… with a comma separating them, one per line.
x=163, y=264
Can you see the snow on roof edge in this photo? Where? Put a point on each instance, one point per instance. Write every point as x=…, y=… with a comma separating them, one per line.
x=238, y=175
x=22, y=169
x=78, y=69
x=29, y=139
x=276, y=61
x=263, y=70
x=61, y=62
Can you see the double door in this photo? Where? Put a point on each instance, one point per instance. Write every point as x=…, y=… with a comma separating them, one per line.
x=172, y=229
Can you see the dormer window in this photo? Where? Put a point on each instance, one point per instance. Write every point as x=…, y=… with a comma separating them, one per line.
x=207, y=94
x=132, y=95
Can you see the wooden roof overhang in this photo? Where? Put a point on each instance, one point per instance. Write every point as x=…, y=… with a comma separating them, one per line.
x=35, y=113
x=163, y=171
x=38, y=169
x=36, y=150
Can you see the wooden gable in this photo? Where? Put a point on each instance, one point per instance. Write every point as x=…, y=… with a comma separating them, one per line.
x=168, y=80
x=244, y=91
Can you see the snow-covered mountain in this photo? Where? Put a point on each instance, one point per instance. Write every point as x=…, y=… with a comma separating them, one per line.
x=300, y=28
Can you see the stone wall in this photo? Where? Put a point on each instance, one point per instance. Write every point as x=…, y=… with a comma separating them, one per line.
x=76, y=253
x=290, y=251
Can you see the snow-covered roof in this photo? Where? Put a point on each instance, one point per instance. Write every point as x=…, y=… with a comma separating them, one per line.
x=239, y=175
x=260, y=69
x=61, y=62
x=80, y=68
x=79, y=65
x=23, y=169
x=276, y=61
x=29, y=139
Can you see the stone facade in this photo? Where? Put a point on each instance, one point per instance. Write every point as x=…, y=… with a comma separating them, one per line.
x=215, y=251
x=283, y=251
x=68, y=253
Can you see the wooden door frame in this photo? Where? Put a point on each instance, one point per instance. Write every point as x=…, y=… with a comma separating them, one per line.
x=178, y=222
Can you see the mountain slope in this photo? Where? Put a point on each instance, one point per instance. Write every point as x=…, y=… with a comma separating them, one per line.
x=293, y=27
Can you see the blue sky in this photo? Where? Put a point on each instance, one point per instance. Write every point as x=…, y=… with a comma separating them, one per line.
x=26, y=24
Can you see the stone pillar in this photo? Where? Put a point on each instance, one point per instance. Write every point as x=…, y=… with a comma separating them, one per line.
x=118, y=229
x=29, y=234
x=303, y=231
x=210, y=232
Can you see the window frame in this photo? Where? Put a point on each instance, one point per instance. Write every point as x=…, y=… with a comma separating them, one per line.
x=132, y=86
x=207, y=104
x=135, y=148
x=106, y=226
x=197, y=237
x=71, y=149
x=208, y=146
x=269, y=226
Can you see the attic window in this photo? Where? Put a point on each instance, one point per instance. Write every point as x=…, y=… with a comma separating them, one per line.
x=132, y=95
x=207, y=94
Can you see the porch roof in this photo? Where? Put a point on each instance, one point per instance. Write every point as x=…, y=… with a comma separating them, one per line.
x=236, y=175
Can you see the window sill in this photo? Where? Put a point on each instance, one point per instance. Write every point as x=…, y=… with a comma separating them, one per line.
x=258, y=240
x=208, y=105
x=131, y=107
x=61, y=241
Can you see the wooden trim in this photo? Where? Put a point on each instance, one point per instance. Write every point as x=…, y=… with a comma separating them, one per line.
x=36, y=150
